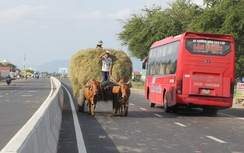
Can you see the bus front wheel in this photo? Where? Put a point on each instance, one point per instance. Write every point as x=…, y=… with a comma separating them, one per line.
x=149, y=102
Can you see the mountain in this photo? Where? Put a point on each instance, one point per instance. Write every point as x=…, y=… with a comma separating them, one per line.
x=54, y=66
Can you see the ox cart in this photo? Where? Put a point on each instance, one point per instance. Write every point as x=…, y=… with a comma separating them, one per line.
x=118, y=93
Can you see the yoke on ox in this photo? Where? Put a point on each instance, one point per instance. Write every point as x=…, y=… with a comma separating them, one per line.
x=117, y=93
x=112, y=92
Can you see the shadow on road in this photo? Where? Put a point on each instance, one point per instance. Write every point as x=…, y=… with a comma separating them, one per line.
x=95, y=137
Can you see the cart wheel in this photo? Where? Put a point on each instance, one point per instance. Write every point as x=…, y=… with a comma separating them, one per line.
x=81, y=101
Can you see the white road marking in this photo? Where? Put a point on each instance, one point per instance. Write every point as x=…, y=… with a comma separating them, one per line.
x=139, y=93
x=132, y=104
x=7, y=93
x=26, y=95
x=79, y=137
x=240, y=118
x=143, y=109
x=180, y=124
x=32, y=91
x=158, y=115
x=1, y=96
x=215, y=139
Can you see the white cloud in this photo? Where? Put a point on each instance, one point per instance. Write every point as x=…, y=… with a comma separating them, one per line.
x=62, y=27
x=121, y=14
x=19, y=13
x=96, y=15
x=198, y=2
x=29, y=24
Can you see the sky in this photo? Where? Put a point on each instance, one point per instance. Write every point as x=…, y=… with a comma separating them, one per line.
x=34, y=32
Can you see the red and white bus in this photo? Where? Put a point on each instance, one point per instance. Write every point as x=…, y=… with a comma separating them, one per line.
x=192, y=69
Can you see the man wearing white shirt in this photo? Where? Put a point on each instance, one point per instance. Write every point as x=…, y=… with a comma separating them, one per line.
x=106, y=65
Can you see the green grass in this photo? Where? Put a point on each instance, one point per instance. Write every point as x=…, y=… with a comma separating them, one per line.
x=138, y=84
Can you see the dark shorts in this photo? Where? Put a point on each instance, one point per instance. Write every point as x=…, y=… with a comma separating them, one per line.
x=105, y=75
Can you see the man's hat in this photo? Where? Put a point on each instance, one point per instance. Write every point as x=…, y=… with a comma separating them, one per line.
x=100, y=42
x=107, y=52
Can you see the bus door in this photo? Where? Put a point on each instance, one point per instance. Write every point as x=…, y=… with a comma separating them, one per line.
x=156, y=90
x=148, y=86
x=152, y=90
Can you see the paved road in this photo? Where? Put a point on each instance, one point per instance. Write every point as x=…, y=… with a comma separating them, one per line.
x=18, y=102
x=150, y=130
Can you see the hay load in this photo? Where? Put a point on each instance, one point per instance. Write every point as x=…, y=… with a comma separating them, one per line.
x=86, y=65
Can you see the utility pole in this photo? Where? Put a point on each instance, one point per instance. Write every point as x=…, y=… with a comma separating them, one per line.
x=24, y=61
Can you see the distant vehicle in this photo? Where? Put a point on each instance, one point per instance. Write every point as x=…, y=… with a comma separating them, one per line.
x=36, y=74
x=8, y=80
x=193, y=70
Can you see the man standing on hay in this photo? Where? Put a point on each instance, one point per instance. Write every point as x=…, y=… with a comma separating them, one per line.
x=106, y=65
x=99, y=44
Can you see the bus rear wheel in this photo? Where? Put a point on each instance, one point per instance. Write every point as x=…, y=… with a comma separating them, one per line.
x=167, y=109
x=210, y=111
x=151, y=104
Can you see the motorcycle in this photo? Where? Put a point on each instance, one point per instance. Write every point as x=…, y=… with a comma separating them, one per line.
x=8, y=80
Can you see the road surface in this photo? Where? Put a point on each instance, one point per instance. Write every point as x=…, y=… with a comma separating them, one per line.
x=18, y=102
x=150, y=130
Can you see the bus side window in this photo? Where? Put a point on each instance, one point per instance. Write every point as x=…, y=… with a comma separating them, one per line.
x=173, y=67
x=168, y=67
x=174, y=57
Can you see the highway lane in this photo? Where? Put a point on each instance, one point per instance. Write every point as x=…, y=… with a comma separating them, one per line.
x=18, y=102
x=148, y=129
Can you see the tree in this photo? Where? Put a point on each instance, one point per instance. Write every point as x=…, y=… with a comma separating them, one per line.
x=46, y=73
x=226, y=17
x=140, y=31
x=211, y=3
x=29, y=70
x=234, y=24
x=219, y=16
x=181, y=13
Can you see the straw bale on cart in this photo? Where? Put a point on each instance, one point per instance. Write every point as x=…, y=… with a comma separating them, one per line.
x=86, y=64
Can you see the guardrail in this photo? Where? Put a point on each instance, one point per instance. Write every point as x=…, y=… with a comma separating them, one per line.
x=40, y=134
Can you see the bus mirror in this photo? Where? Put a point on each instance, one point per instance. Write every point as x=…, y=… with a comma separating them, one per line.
x=143, y=65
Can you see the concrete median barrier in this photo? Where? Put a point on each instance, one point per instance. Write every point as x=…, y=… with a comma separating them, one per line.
x=40, y=134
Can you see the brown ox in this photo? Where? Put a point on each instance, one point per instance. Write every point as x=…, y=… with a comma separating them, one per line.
x=123, y=95
x=91, y=93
